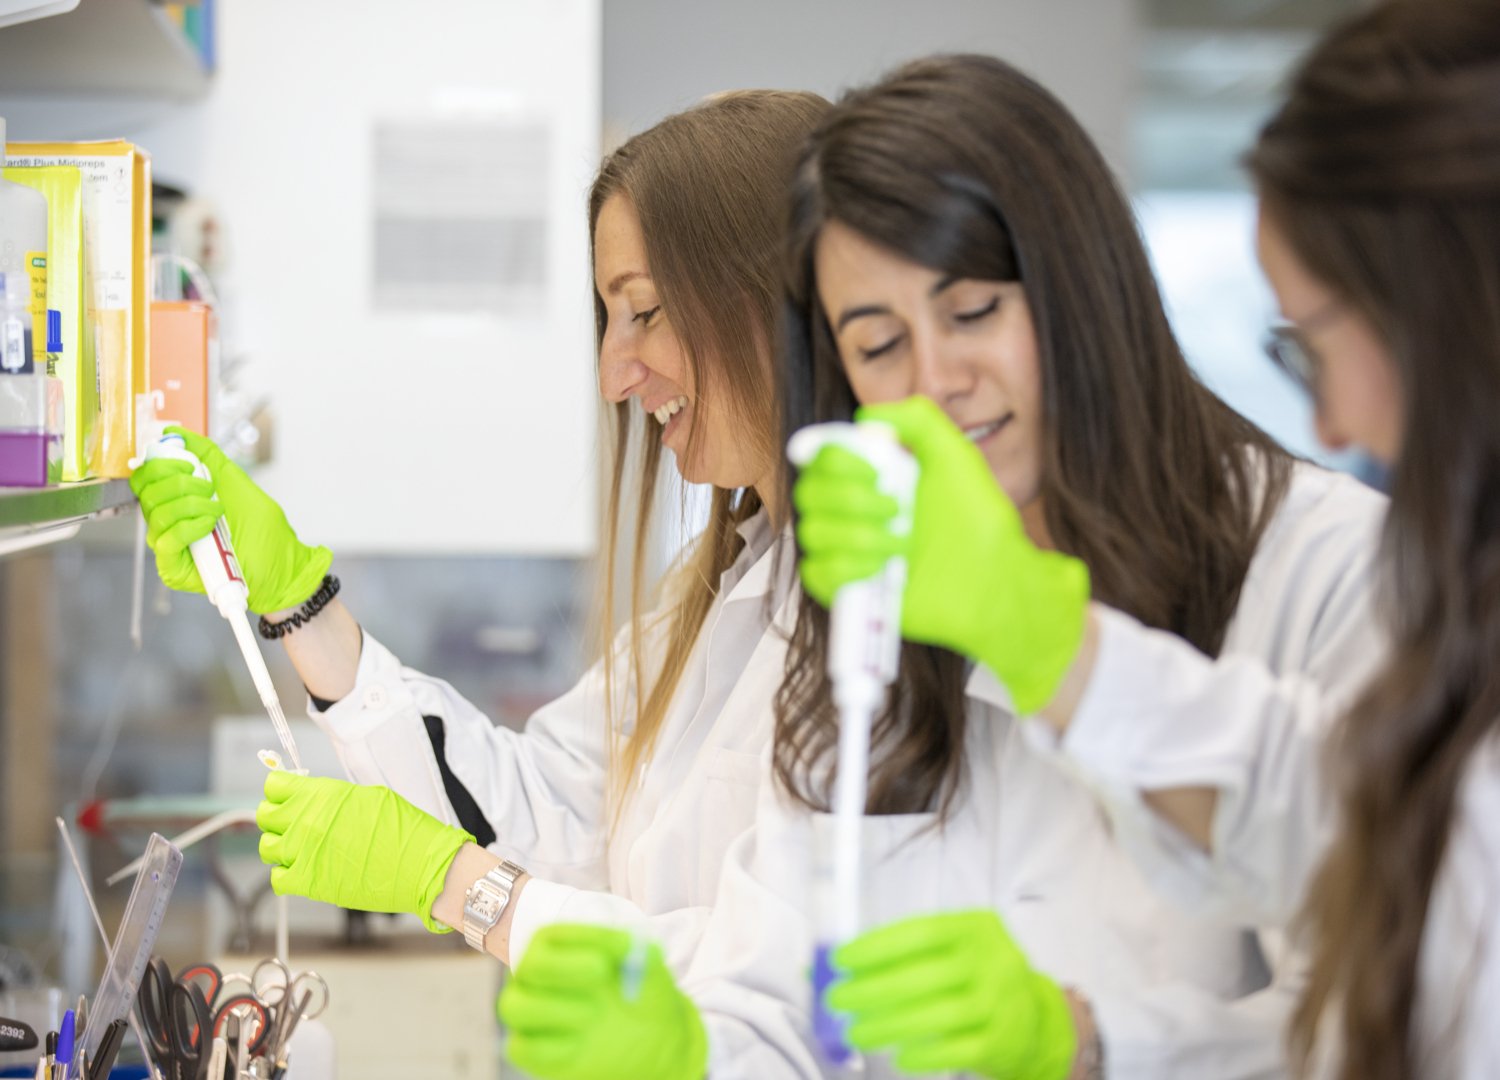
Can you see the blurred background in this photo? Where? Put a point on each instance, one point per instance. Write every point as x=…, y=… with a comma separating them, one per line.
x=387, y=200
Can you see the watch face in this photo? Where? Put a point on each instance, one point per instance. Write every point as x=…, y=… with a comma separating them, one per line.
x=485, y=904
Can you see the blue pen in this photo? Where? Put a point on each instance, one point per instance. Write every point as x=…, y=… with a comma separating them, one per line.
x=65, y=1044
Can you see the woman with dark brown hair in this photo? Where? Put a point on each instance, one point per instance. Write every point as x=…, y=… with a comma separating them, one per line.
x=1379, y=181
x=954, y=234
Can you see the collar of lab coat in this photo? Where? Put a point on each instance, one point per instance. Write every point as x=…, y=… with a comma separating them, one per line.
x=984, y=686
x=751, y=575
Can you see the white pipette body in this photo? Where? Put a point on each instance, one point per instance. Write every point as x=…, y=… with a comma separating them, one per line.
x=864, y=653
x=214, y=558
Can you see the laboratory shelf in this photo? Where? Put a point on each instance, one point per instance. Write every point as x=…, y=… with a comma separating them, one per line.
x=25, y=510
x=130, y=48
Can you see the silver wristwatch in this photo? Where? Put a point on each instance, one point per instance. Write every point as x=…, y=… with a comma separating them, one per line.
x=485, y=902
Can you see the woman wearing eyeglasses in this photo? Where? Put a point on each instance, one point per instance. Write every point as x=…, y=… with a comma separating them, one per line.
x=1379, y=181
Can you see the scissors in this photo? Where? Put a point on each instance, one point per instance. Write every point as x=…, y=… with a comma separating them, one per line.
x=273, y=982
x=184, y=1015
x=174, y=1014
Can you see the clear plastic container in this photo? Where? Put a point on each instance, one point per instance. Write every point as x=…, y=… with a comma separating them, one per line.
x=23, y=239
x=30, y=453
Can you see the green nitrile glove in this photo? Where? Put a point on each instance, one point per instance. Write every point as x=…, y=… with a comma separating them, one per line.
x=953, y=993
x=572, y=1017
x=356, y=846
x=975, y=583
x=280, y=571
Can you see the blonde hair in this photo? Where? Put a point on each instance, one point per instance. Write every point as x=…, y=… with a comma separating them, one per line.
x=708, y=185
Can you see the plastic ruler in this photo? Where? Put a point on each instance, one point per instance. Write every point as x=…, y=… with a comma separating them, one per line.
x=136, y=940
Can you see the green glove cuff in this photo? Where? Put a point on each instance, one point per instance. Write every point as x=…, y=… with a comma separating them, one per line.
x=1056, y=1039
x=315, y=564
x=1056, y=584
x=441, y=851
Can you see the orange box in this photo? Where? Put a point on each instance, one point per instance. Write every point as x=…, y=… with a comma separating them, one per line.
x=183, y=333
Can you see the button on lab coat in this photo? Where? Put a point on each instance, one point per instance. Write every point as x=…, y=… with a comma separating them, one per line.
x=1176, y=993
x=1275, y=815
x=543, y=789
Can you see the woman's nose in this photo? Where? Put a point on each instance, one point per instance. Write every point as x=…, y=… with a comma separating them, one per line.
x=937, y=374
x=620, y=372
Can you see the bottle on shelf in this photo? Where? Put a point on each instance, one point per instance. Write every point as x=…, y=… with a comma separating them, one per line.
x=23, y=246
x=30, y=447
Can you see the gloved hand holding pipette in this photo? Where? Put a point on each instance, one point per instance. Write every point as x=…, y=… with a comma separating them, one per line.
x=576, y=1010
x=184, y=502
x=354, y=845
x=975, y=583
x=280, y=571
x=864, y=653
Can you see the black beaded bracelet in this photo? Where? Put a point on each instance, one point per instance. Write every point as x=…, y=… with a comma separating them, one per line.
x=272, y=631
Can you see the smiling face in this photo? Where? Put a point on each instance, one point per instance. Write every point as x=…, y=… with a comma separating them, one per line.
x=642, y=357
x=1358, y=397
x=904, y=329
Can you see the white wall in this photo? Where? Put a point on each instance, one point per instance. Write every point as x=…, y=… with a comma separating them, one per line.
x=661, y=55
x=395, y=433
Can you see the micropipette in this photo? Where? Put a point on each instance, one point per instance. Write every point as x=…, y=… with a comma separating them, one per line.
x=864, y=652
x=213, y=555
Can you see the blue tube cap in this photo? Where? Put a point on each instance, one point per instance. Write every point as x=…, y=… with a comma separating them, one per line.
x=54, y=330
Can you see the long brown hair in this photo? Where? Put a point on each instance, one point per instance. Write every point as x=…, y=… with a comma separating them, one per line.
x=1382, y=170
x=708, y=185
x=964, y=165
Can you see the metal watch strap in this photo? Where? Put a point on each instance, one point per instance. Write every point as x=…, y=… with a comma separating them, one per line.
x=486, y=900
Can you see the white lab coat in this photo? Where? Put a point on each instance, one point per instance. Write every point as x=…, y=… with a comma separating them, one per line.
x=1175, y=994
x=543, y=789
x=1136, y=729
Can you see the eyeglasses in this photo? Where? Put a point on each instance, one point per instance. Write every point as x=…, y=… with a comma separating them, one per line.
x=1287, y=345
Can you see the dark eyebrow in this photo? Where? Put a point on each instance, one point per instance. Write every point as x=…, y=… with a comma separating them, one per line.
x=619, y=281
x=850, y=314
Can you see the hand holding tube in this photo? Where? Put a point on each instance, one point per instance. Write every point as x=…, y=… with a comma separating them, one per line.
x=953, y=993
x=357, y=846
x=571, y=1018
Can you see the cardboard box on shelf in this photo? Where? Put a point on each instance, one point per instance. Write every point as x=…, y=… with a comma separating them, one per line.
x=116, y=203
x=183, y=336
x=67, y=293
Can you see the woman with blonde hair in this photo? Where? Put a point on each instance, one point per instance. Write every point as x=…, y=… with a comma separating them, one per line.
x=616, y=802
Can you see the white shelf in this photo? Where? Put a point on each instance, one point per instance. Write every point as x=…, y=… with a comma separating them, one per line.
x=129, y=48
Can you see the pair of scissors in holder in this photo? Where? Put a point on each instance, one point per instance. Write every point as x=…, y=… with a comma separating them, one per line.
x=178, y=1001
x=276, y=985
x=175, y=1015
x=292, y=996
